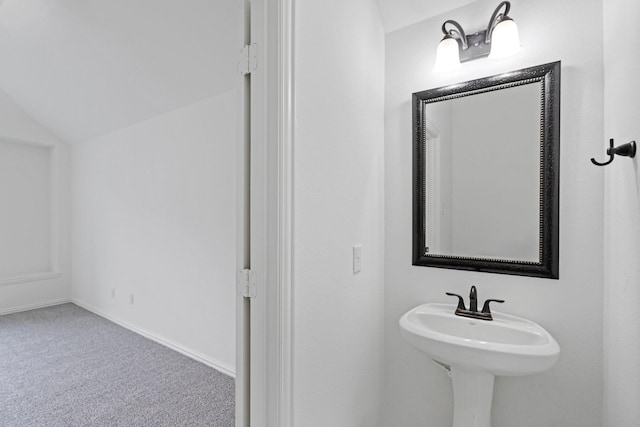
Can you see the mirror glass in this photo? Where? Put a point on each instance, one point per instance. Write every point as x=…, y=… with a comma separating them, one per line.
x=485, y=174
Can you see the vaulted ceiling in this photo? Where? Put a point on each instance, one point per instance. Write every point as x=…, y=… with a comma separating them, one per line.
x=83, y=68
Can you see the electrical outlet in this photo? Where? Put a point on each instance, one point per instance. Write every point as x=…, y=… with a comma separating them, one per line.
x=357, y=259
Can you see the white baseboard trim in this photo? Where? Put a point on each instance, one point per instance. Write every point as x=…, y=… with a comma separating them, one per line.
x=195, y=355
x=28, y=307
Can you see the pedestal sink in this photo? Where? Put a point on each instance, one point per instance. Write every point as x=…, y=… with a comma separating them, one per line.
x=475, y=351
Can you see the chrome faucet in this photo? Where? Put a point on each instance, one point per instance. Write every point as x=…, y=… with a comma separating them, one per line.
x=473, y=312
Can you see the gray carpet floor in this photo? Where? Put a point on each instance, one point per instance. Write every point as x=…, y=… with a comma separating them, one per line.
x=65, y=366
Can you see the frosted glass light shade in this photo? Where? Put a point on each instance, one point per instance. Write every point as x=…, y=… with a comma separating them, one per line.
x=447, y=56
x=505, y=40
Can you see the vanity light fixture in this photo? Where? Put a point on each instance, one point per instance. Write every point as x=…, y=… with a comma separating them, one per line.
x=500, y=40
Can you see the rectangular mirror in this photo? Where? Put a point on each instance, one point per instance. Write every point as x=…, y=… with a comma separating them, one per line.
x=486, y=174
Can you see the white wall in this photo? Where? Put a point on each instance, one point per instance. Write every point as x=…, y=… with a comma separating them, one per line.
x=400, y=13
x=154, y=215
x=20, y=132
x=338, y=202
x=570, y=395
x=622, y=216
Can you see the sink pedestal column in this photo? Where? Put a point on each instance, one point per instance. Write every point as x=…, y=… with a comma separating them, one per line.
x=472, y=396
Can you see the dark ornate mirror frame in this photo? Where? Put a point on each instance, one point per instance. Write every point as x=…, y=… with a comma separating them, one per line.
x=548, y=75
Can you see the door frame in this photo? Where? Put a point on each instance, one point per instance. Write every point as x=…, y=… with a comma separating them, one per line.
x=243, y=261
x=285, y=216
x=264, y=378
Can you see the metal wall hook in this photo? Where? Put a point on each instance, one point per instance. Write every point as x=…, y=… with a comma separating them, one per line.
x=627, y=150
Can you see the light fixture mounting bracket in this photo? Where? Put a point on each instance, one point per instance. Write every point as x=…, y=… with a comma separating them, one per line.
x=477, y=48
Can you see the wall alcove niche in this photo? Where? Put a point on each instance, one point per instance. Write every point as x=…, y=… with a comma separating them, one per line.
x=28, y=219
x=486, y=174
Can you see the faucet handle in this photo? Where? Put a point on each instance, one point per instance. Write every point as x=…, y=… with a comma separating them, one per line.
x=460, y=300
x=485, y=307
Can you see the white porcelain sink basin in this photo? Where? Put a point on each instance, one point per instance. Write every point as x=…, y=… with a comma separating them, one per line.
x=507, y=345
x=474, y=351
